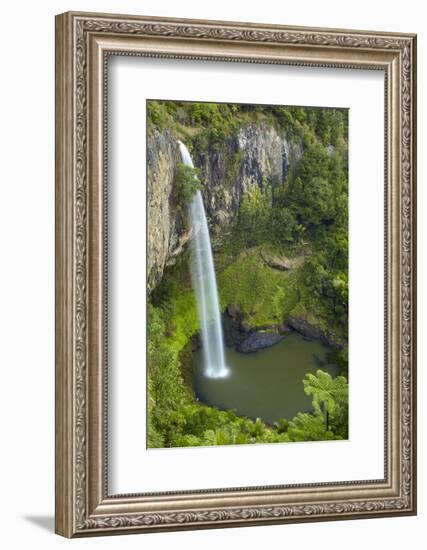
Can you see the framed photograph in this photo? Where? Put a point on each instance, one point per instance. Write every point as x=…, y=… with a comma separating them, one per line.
x=235, y=274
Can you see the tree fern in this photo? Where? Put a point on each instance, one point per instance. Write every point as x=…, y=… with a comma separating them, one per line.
x=331, y=392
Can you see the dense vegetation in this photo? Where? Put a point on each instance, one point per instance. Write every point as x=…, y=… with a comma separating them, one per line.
x=304, y=217
x=176, y=420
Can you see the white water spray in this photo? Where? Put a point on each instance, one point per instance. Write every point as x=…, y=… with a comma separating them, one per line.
x=204, y=282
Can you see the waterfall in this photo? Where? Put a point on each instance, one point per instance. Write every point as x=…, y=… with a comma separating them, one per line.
x=204, y=282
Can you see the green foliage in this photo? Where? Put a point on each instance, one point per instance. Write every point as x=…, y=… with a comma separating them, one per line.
x=157, y=114
x=254, y=218
x=313, y=207
x=265, y=219
x=161, y=114
x=309, y=427
x=281, y=425
x=331, y=392
x=186, y=184
x=184, y=320
x=166, y=390
x=331, y=125
x=217, y=121
x=265, y=295
x=330, y=399
x=216, y=427
x=284, y=228
x=318, y=195
x=339, y=357
x=232, y=168
x=325, y=290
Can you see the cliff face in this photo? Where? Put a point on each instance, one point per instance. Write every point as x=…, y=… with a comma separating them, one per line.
x=256, y=155
x=165, y=229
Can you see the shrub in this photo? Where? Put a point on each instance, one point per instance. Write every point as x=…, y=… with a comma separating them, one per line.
x=186, y=183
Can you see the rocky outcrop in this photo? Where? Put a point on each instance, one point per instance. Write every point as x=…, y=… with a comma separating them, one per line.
x=282, y=263
x=246, y=339
x=255, y=156
x=236, y=331
x=312, y=332
x=167, y=233
x=259, y=340
x=164, y=227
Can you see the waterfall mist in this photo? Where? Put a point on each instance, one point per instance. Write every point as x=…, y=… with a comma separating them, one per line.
x=204, y=282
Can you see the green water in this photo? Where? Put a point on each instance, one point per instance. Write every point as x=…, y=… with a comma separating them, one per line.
x=266, y=384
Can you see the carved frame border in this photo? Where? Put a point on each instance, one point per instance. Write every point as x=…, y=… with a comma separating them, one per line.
x=83, y=43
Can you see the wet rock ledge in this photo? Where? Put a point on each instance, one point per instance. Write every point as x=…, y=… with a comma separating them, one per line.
x=246, y=339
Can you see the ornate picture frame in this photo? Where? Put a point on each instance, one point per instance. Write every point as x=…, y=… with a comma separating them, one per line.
x=84, y=42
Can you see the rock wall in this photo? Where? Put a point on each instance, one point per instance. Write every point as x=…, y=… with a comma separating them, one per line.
x=256, y=155
x=165, y=227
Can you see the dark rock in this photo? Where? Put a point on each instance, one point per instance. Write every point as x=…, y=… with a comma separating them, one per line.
x=259, y=340
x=229, y=310
x=303, y=327
x=246, y=339
x=195, y=342
x=235, y=330
x=310, y=332
x=270, y=328
x=275, y=262
x=234, y=311
x=165, y=231
x=282, y=263
x=284, y=329
x=244, y=327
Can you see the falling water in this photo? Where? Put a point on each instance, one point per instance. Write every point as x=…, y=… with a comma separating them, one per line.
x=204, y=282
